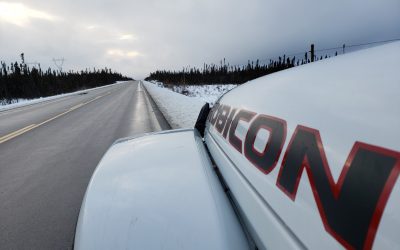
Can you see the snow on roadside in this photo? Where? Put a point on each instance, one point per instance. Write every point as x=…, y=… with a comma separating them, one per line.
x=180, y=111
x=24, y=102
x=208, y=93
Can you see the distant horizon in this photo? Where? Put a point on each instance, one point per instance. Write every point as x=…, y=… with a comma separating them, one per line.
x=139, y=37
x=321, y=52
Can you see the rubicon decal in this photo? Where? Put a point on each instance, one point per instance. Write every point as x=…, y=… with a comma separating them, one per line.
x=350, y=209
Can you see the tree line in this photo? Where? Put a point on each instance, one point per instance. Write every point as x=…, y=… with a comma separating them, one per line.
x=225, y=73
x=19, y=81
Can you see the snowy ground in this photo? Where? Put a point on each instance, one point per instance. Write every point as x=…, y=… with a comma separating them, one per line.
x=180, y=111
x=208, y=93
x=181, y=105
x=23, y=102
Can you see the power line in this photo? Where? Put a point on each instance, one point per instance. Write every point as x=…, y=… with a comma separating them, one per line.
x=386, y=41
x=318, y=50
x=329, y=49
x=59, y=63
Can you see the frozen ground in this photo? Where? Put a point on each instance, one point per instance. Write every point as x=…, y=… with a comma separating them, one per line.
x=180, y=111
x=181, y=105
x=208, y=93
x=24, y=102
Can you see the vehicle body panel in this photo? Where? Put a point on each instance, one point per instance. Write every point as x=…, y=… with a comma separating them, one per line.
x=346, y=100
x=160, y=191
x=157, y=191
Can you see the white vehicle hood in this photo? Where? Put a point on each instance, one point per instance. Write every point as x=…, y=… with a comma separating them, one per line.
x=157, y=192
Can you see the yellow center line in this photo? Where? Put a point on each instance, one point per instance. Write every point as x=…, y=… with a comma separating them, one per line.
x=33, y=126
x=77, y=106
x=16, y=133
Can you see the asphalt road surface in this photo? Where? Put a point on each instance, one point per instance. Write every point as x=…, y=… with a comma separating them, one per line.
x=48, y=152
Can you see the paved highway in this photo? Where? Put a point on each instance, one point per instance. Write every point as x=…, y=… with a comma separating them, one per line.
x=48, y=152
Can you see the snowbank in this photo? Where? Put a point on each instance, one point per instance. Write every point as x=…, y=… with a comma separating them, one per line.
x=180, y=111
x=24, y=102
x=208, y=93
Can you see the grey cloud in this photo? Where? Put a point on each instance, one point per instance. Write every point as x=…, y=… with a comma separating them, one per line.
x=175, y=33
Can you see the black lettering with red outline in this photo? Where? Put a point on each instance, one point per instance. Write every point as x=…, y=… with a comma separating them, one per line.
x=348, y=207
x=352, y=208
x=242, y=115
x=267, y=160
x=221, y=121
x=228, y=123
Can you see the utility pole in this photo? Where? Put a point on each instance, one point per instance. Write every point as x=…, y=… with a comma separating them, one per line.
x=183, y=75
x=59, y=63
x=312, y=53
x=23, y=58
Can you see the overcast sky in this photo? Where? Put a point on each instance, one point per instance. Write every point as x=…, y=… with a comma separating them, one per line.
x=136, y=37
